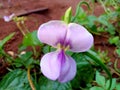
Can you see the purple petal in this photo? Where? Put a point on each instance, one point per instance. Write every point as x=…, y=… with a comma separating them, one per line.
x=8, y=18
x=68, y=70
x=52, y=32
x=79, y=38
x=50, y=65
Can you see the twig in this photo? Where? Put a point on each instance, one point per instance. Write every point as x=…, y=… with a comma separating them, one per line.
x=26, y=12
x=29, y=79
x=113, y=71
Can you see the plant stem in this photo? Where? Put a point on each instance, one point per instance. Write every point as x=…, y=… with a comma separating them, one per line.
x=34, y=50
x=29, y=79
x=20, y=28
x=25, y=27
x=115, y=66
x=104, y=7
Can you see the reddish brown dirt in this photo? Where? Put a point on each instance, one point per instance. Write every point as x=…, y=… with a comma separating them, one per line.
x=56, y=9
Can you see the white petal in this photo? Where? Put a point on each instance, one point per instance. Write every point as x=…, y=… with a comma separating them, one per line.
x=52, y=32
x=8, y=18
x=79, y=38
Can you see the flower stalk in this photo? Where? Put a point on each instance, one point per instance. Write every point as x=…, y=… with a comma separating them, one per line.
x=29, y=79
x=20, y=28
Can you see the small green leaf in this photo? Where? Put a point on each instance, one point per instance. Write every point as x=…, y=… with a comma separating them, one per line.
x=100, y=79
x=118, y=86
x=46, y=84
x=91, y=20
x=69, y=53
x=85, y=71
x=46, y=49
x=118, y=51
x=113, y=84
x=96, y=88
x=91, y=55
x=15, y=80
x=24, y=60
x=31, y=39
x=114, y=40
x=6, y=39
x=103, y=19
x=111, y=29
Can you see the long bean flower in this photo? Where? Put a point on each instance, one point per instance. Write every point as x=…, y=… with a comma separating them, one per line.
x=57, y=65
x=8, y=18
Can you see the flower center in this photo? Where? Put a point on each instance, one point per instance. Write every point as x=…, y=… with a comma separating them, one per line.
x=63, y=47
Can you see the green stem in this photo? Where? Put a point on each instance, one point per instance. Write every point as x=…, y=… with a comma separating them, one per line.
x=104, y=7
x=98, y=61
x=49, y=48
x=20, y=28
x=25, y=27
x=35, y=76
x=34, y=51
x=29, y=79
x=115, y=66
x=78, y=9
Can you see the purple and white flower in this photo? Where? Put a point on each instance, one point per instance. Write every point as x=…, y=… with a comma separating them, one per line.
x=8, y=18
x=57, y=65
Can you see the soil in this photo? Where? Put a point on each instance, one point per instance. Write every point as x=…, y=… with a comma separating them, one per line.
x=56, y=9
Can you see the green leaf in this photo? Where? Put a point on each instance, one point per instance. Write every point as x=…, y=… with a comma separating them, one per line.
x=91, y=20
x=96, y=88
x=24, y=60
x=6, y=39
x=92, y=55
x=118, y=86
x=118, y=51
x=15, y=80
x=100, y=79
x=103, y=19
x=113, y=84
x=114, y=40
x=69, y=53
x=111, y=29
x=31, y=39
x=85, y=71
x=46, y=49
x=45, y=84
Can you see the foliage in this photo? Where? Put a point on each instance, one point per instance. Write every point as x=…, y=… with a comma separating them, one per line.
x=103, y=83
x=14, y=80
x=45, y=84
x=89, y=64
x=31, y=39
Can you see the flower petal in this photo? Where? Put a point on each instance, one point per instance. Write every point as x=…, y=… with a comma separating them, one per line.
x=50, y=65
x=8, y=18
x=79, y=38
x=52, y=32
x=68, y=70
